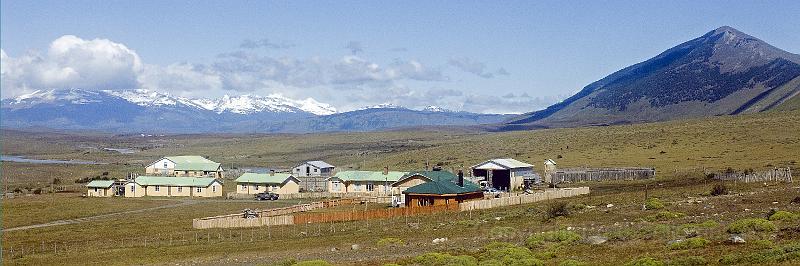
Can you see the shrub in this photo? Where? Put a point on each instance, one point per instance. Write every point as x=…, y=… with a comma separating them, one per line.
x=752, y=224
x=763, y=244
x=653, y=204
x=313, y=263
x=502, y=232
x=444, y=259
x=779, y=254
x=391, y=242
x=691, y=243
x=783, y=216
x=689, y=261
x=508, y=254
x=557, y=237
x=556, y=210
x=645, y=261
x=719, y=189
x=571, y=263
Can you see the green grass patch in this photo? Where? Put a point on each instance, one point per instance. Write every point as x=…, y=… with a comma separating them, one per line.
x=690, y=243
x=313, y=263
x=783, y=216
x=688, y=261
x=502, y=232
x=498, y=253
x=788, y=253
x=653, y=204
x=444, y=259
x=645, y=261
x=391, y=242
x=557, y=237
x=751, y=225
x=665, y=216
x=572, y=263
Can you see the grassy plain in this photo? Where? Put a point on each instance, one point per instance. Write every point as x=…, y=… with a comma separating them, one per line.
x=679, y=150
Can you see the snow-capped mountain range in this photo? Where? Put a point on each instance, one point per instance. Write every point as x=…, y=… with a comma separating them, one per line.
x=130, y=111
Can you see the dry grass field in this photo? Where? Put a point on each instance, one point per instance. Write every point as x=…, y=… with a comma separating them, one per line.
x=679, y=150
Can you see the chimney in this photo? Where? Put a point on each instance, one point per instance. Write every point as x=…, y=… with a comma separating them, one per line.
x=271, y=172
x=460, y=178
x=385, y=170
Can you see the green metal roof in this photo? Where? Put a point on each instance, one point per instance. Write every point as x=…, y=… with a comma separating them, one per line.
x=441, y=183
x=278, y=178
x=350, y=176
x=100, y=183
x=174, y=181
x=190, y=162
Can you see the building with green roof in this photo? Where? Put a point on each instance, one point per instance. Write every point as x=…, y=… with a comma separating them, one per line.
x=100, y=188
x=187, y=166
x=173, y=186
x=430, y=188
x=364, y=181
x=280, y=183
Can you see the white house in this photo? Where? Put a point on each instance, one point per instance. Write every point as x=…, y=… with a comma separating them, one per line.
x=189, y=166
x=312, y=174
x=170, y=186
x=364, y=181
x=504, y=174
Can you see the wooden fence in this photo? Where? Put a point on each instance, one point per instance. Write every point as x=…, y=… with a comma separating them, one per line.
x=326, y=217
x=773, y=175
x=601, y=174
x=523, y=199
x=276, y=216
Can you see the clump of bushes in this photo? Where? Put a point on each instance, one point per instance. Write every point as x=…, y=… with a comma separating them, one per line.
x=557, y=237
x=719, y=189
x=645, y=261
x=571, y=263
x=391, y=242
x=653, y=204
x=498, y=253
x=502, y=232
x=705, y=224
x=782, y=216
x=690, y=243
x=750, y=225
x=774, y=255
x=557, y=209
x=689, y=261
x=444, y=259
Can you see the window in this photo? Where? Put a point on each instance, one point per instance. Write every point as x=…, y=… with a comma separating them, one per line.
x=180, y=188
x=335, y=185
x=315, y=170
x=165, y=165
x=356, y=187
x=157, y=187
x=199, y=189
x=370, y=187
x=244, y=187
x=95, y=189
x=213, y=188
x=255, y=187
x=274, y=187
x=133, y=188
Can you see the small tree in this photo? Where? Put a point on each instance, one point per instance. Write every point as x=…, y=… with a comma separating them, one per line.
x=719, y=189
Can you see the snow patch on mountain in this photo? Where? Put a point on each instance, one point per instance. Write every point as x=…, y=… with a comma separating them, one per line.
x=435, y=109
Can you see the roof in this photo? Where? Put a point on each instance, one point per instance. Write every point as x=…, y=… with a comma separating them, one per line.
x=277, y=178
x=430, y=175
x=319, y=164
x=441, y=183
x=191, y=162
x=101, y=183
x=550, y=161
x=174, y=181
x=368, y=176
x=501, y=164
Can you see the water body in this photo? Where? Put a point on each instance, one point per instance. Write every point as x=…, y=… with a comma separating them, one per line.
x=121, y=150
x=20, y=159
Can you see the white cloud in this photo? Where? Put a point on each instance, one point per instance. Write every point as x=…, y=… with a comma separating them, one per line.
x=474, y=67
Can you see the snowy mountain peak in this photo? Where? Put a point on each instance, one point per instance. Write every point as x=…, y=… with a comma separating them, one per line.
x=74, y=96
x=382, y=106
x=432, y=108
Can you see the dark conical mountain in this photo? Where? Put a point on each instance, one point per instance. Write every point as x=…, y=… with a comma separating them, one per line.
x=722, y=72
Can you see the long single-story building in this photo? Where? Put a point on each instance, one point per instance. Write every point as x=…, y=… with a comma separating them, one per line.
x=364, y=181
x=503, y=174
x=438, y=188
x=100, y=188
x=252, y=183
x=191, y=166
x=170, y=186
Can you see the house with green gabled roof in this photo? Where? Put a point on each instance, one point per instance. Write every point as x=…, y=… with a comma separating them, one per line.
x=439, y=187
x=185, y=166
x=364, y=181
x=280, y=183
x=100, y=188
x=173, y=186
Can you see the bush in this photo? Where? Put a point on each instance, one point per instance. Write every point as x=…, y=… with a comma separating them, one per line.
x=391, y=242
x=719, y=189
x=498, y=253
x=571, y=263
x=774, y=255
x=444, y=259
x=691, y=243
x=557, y=237
x=653, y=204
x=782, y=216
x=689, y=261
x=557, y=209
x=645, y=261
x=313, y=263
x=502, y=232
x=752, y=224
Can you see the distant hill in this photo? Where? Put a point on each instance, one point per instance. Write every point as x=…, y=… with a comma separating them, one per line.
x=724, y=72
x=143, y=111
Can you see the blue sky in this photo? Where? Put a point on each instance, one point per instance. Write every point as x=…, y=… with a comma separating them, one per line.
x=482, y=56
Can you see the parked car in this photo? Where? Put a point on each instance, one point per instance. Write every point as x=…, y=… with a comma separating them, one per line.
x=266, y=196
x=492, y=191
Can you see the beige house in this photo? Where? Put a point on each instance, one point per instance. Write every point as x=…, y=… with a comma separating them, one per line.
x=252, y=183
x=374, y=182
x=100, y=188
x=191, y=166
x=169, y=186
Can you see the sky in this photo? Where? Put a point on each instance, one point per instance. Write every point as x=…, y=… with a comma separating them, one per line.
x=478, y=56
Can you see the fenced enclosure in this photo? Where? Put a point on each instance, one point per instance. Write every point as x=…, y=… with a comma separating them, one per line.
x=276, y=216
x=601, y=174
x=523, y=199
x=772, y=175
